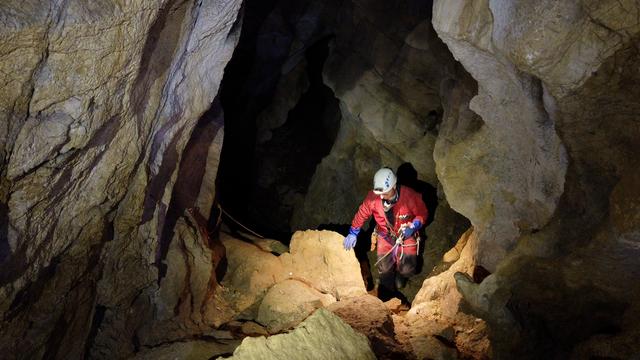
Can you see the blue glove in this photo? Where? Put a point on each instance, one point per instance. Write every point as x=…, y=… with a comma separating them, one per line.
x=351, y=239
x=413, y=227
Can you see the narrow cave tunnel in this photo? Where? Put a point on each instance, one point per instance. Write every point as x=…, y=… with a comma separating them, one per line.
x=265, y=169
x=169, y=171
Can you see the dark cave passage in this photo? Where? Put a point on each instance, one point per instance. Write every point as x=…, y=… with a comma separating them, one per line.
x=266, y=168
x=288, y=160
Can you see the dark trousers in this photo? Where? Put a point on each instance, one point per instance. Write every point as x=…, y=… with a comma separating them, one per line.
x=389, y=268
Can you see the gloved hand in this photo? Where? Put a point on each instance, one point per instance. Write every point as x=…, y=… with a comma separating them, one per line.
x=412, y=228
x=350, y=242
x=351, y=239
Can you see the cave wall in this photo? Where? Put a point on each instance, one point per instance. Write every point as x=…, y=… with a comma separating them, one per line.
x=507, y=175
x=562, y=127
x=98, y=102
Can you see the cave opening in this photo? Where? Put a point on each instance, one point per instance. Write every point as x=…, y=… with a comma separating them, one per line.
x=290, y=153
x=274, y=136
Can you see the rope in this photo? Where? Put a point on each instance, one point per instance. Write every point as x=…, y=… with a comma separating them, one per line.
x=399, y=243
x=238, y=223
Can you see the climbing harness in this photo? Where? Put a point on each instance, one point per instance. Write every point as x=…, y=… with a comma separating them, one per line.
x=399, y=244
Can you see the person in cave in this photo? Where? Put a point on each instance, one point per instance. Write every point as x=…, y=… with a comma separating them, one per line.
x=399, y=212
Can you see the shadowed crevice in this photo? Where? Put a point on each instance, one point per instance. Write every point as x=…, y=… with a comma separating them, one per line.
x=191, y=173
x=5, y=249
x=157, y=54
x=33, y=291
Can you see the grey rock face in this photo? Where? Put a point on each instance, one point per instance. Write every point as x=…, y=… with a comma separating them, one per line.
x=507, y=175
x=100, y=101
x=547, y=85
x=322, y=336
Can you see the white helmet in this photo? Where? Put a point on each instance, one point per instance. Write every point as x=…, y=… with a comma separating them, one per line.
x=383, y=181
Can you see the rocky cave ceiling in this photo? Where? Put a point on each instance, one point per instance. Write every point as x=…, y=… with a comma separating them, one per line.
x=128, y=129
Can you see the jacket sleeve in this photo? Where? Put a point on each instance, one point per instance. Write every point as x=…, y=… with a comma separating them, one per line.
x=363, y=214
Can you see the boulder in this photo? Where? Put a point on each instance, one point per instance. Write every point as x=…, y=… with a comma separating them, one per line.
x=439, y=314
x=318, y=258
x=289, y=302
x=322, y=335
x=369, y=316
x=250, y=273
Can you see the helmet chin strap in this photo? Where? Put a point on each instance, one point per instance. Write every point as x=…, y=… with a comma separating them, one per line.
x=388, y=204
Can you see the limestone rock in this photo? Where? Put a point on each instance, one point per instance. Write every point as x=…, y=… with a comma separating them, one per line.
x=280, y=291
x=588, y=31
x=102, y=99
x=432, y=339
x=195, y=263
x=394, y=305
x=482, y=173
x=318, y=258
x=266, y=244
x=432, y=348
x=183, y=304
x=440, y=306
x=447, y=227
x=369, y=316
x=322, y=335
x=287, y=94
x=621, y=345
x=625, y=207
x=440, y=289
x=251, y=272
x=584, y=94
x=289, y=302
x=454, y=253
x=251, y=328
x=195, y=185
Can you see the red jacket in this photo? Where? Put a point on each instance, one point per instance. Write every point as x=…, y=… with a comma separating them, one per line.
x=409, y=207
